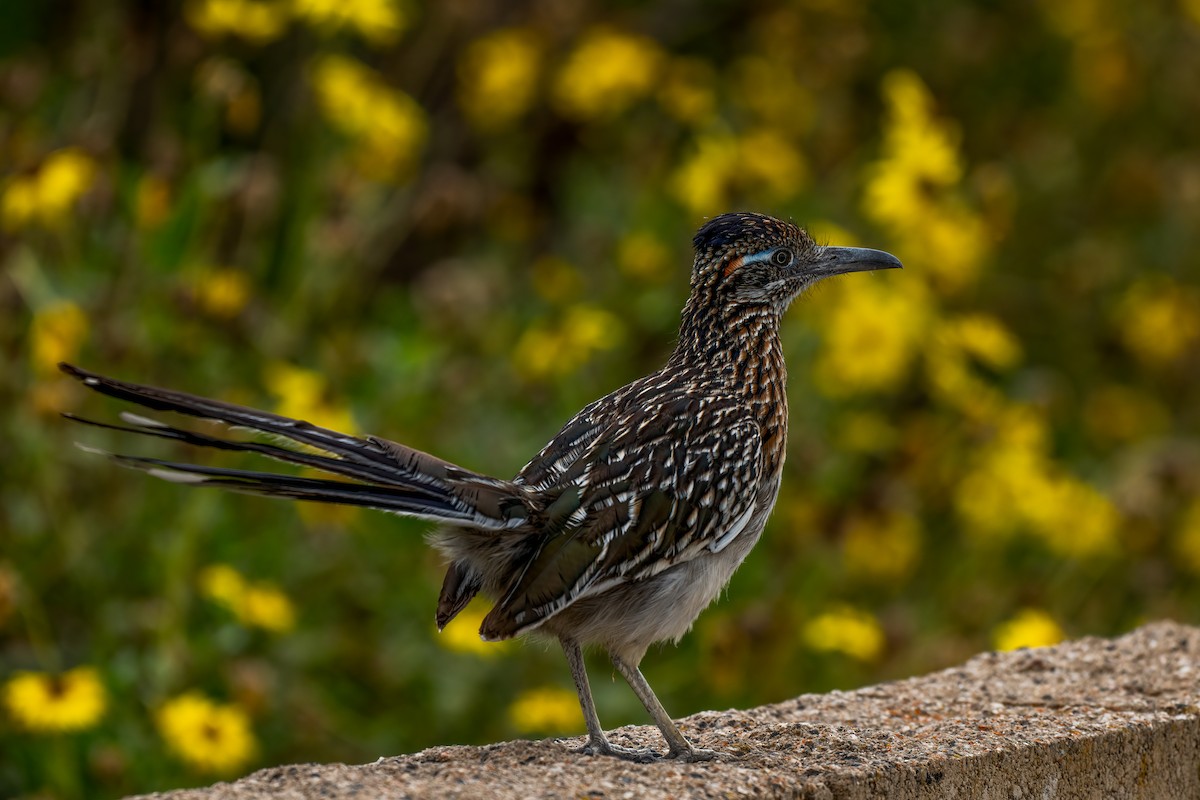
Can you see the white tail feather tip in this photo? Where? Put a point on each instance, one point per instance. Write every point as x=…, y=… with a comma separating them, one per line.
x=140, y=421
x=176, y=477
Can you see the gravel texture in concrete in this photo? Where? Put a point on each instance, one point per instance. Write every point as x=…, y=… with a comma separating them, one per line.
x=1090, y=718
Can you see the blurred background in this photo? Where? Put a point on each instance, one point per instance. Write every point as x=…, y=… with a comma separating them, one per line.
x=452, y=224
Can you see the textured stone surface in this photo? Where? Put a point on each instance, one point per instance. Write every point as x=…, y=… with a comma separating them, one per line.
x=1090, y=718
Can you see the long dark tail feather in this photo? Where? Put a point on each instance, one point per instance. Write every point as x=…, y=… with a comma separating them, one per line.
x=401, y=500
x=152, y=427
x=344, y=445
x=398, y=478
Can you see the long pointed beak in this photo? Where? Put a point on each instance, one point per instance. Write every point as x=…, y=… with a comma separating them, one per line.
x=839, y=260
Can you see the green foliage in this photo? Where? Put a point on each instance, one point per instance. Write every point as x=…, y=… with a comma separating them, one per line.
x=453, y=226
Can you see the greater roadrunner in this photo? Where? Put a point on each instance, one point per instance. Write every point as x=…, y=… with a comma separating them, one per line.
x=630, y=521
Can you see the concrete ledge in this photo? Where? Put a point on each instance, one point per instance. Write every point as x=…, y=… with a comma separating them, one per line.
x=1091, y=718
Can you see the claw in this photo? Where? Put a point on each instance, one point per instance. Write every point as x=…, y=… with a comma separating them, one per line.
x=605, y=748
x=693, y=754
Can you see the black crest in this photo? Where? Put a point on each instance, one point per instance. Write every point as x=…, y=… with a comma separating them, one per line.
x=721, y=232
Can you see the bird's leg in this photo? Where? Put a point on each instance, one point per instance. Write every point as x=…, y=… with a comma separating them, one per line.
x=678, y=746
x=597, y=744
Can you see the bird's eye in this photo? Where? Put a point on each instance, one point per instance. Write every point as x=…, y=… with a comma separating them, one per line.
x=782, y=257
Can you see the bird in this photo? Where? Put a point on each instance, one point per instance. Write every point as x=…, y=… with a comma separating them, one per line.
x=627, y=524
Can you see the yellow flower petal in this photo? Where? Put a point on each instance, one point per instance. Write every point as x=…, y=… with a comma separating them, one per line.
x=848, y=630
x=377, y=21
x=45, y=703
x=388, y=126
x=545, y=709
x=462, y=634
x=56, y=333
x=607, y=72
x=1029, y=628
x=208, y=736
x=498, y=76
x=264, y=606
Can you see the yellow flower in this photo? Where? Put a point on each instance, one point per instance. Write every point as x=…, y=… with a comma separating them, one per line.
x=498, y=76
x=377, y=21
x=1031, y=627
x=1014, y=485
x=607, y=72
x=222, y=291
x=951, y=380
x=1192, y=8
x=264, y=606
x=56, y=333
x=294, y=385
x=63, y=178
x=254, y=20
x=222, y=583
x=951, y=245
x=45, y=703
x=768, y=160
x=911, y=190
x=18, y=205
x=48, y=196
x=543, y=352
x=462, y=634
x=761, y=161
x=1071, y=517
x=872, y=334
x=302, y=395
x=899, y=187
x=210, y=737
x=948, y=363
x=387, y=125
x=1160, y=321
x=545, y=709
x=260, y=605
x=592, y=328
x=986, y=338
x=882, y=548
x=1187, y=540
x=920, y=152
x=844, y=629
x=701, y=182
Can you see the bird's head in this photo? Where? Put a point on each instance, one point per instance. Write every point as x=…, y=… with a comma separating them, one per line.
x=750, y=260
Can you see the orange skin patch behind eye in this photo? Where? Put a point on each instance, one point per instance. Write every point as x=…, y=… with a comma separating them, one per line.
x=734, y=266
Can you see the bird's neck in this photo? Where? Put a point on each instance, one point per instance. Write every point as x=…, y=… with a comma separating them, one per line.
x=738, y=347
x=737, y=352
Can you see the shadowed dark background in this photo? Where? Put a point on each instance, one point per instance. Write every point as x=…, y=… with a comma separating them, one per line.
x=453, y=224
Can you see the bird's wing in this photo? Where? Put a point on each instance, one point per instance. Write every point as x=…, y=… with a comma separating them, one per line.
x=661, y=489
x=574, y=440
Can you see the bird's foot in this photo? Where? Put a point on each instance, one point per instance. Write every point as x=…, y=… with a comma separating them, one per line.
x=603, y=747
x=693, y=754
